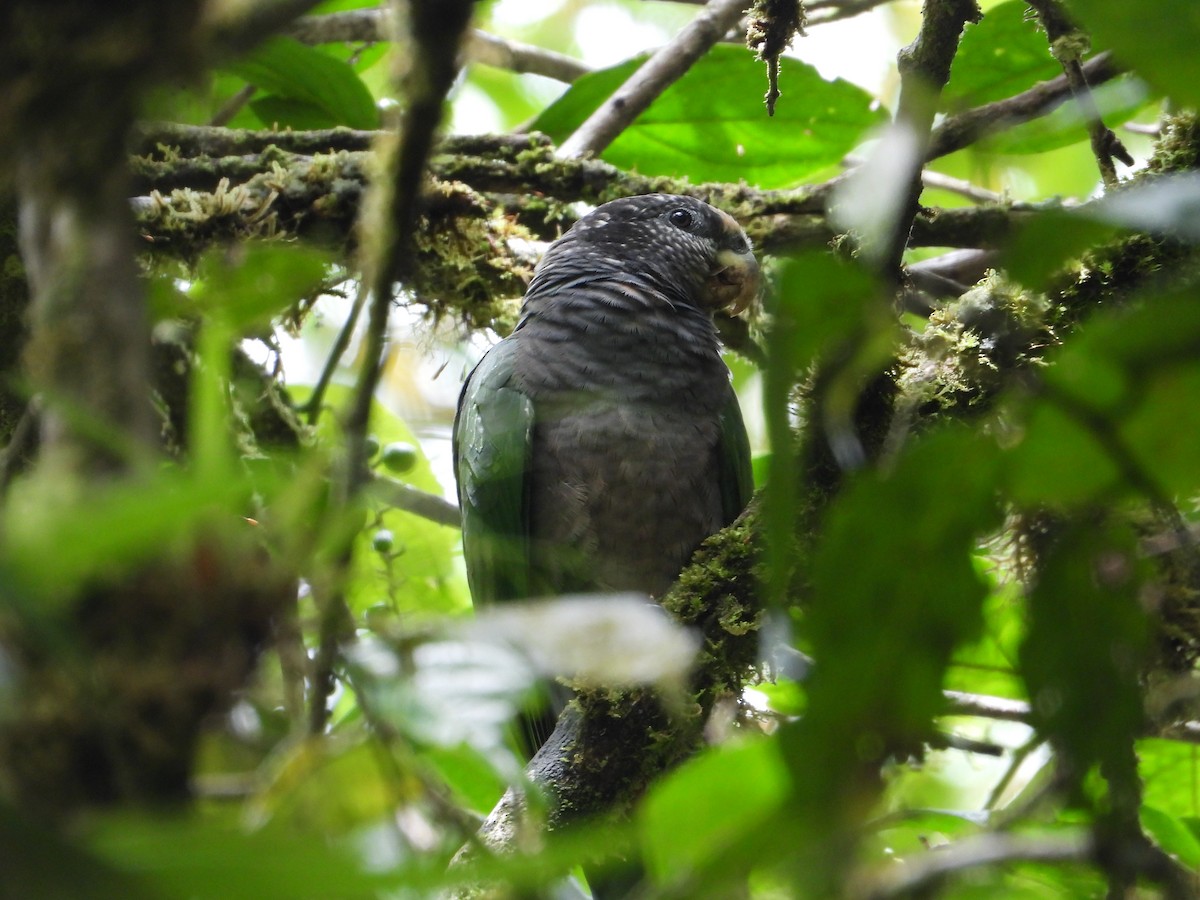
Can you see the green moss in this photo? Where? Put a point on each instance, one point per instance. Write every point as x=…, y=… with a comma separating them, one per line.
x=470, y=263
x=970, y=347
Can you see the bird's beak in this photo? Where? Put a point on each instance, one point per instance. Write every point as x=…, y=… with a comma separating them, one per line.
x=733, y=282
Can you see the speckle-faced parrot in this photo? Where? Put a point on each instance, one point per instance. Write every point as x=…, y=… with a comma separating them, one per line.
x=601, y=442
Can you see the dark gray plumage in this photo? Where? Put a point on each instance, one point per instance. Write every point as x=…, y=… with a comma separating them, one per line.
x=601, y=442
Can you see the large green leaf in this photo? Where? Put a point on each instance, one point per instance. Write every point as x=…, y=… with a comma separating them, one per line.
x=710, y=802
x=246, y=286
x=711, y=124
x=894, y=593
x=288, y=69
x=207, y=858
x=1173, y=835
x=989, y=665
x=1157, y=39
x=1170, y=772
x=1087, y=639
x=823, y=307
x=1002, y=55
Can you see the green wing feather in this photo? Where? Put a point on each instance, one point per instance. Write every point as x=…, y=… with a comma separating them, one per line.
x=733, y=460
x=493, y=434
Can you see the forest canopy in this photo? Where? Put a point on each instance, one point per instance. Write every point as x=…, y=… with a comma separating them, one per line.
x=250, y=252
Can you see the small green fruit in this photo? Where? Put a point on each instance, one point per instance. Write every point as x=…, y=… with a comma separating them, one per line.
x=383, y=541
x=399, y=457
x=371, y=446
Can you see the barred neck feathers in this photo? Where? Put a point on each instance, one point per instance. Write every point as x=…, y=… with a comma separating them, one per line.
x=619, y=313
x=620, y=335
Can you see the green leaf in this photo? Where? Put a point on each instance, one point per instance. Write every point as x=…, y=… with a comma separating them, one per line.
x=1045, y=244
x=1087, y=638
x=467, y=772
x=1162, y=430
x=1002, y=55
x=287, y=68
x=1170, y=772
x=709, y=803
x=989, y=665
x=824, y=301
x=822, y=306
x=39, y=862
x=52, y=546
x=860, y=608
x=247, y=285
x=331, y=786
x=1158, y=40
x=894, y=591
x=1058, y=461
x=278, y=112
x=1172, y=835
x=205, y=858
x=711, y=124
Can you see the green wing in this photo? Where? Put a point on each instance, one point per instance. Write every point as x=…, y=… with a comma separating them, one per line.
x=733, y=460
x=493, y=433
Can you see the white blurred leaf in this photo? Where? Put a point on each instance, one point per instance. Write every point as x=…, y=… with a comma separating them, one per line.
x=615, y=640
x=1169, y=205
x=451, y=692
x=871, y=200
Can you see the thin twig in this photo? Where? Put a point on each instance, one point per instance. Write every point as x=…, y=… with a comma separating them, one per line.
x=839, y=9
x=961, y=703
x=937, y=180
x=436, y=32
x=827, y=10
x=233, y=35
x=959, y=186
x=374, y=24
x=502, y=53
x=312, y=407
x=1067, y=44
x=232, y=106
x=419, y=503
x=967, y=127
x=658, y=73
x=1019, y=755
x=950, y=741
x=920, y=874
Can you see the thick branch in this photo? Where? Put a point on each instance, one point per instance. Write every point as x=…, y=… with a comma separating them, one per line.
x=924, y=71
x=608, y=746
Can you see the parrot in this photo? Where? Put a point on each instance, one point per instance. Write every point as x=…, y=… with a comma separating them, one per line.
x=601, y=442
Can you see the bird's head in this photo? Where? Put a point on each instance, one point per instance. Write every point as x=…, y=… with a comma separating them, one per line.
x=680, y=247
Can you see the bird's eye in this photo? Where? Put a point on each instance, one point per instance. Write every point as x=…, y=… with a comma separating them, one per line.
x=681, y=218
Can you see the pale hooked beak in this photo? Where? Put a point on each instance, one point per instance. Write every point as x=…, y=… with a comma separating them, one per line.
x=733, y=282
